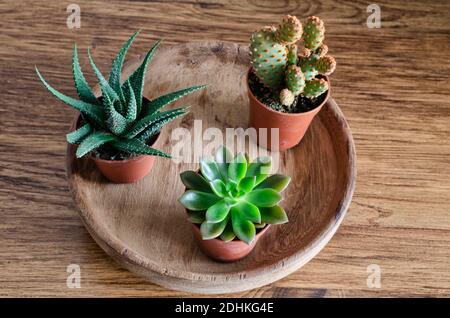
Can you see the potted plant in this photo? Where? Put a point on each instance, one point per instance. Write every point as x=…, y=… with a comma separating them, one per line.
x=288, y=82
x=232, y=202
x=118, y=128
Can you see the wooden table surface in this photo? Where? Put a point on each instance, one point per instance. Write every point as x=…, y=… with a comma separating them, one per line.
x=392, y=84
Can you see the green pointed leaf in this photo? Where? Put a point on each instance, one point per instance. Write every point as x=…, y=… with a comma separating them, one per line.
x=218, y=187
x=94, y=141
x=196, y=217
x=273, y=215
x=278, y=182
x=134, y=146
x=231, y=185
x=209, y=169
x=104, y=85
x=244, y=229
x=248, y=211
x=91, y=111
x=193, y=181
x=155, y=127
x=223, y=157
x=237, y=168
x=83, y=90
x=212, y=230
x=78, y=135
x=247, y=184
x=137, y=79
x=260, y=168
x=115, y=121
x=263, y=197
x=151, y=107
x=116, y=69
x=131, y=109
x=217, y=212
x=196, y=200
x=147, y=121
x=228, y=234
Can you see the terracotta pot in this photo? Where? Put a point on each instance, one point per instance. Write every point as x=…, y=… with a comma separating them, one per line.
x=226, y=251
x=123, y=171
x=291, y=127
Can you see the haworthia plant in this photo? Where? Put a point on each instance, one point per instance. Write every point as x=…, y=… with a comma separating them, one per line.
x=282, y=66
x=121, y=119
x=231, y=198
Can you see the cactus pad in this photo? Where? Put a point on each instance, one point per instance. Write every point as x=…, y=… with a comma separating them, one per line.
x=295, y=80
x=326, y=65
x=286, y=97
x=308, y=66
x=314, y=33
x=268, y=57
x=315, y=87
x=289, y=31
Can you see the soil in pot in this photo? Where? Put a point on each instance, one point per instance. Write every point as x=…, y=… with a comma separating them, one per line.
x=271, y=100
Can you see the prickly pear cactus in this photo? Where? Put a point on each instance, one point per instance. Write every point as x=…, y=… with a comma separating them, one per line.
x=290, y=70
x=268, y=57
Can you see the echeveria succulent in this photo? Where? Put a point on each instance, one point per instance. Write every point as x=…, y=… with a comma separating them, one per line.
x=122, y=120
x=230, y=197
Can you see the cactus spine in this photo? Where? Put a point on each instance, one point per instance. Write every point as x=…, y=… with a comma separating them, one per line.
x=285, y=68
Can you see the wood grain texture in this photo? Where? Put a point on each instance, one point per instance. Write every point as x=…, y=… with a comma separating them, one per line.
x=391, y=83
x=145, y=228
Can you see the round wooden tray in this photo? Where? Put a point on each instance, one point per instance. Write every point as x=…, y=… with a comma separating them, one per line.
x=144, y=228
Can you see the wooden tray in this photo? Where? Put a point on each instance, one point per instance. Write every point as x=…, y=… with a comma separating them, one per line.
x=144, y=228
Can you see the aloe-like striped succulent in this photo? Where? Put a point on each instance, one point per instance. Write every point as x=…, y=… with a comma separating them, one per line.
x=122, y=120
x=232, y=197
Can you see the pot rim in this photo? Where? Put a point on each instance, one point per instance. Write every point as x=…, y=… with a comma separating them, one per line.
x=327, y=96
x=74, y=126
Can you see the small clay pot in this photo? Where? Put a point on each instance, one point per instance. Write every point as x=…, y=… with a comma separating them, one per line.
x=226, y=251
x=123, y=171
x=291, y=127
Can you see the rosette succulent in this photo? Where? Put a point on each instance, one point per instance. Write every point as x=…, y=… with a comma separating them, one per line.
x=121, y=121
x=231, y=197
x=291, y=59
